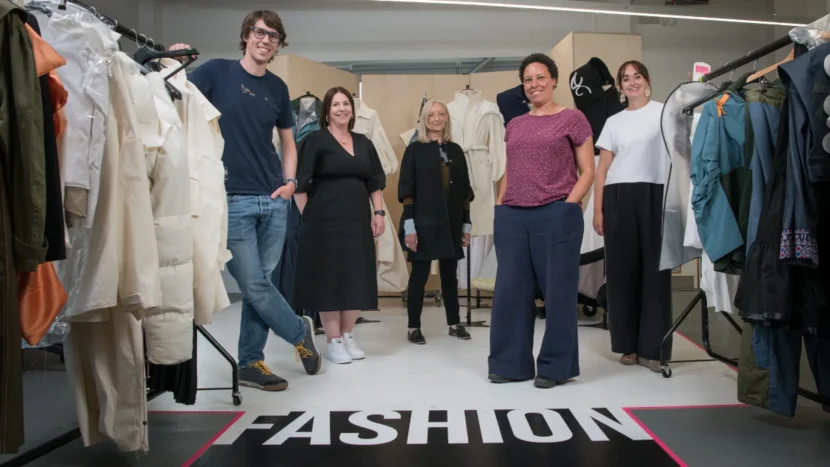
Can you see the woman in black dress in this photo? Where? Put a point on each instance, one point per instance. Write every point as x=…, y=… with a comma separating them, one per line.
x=435, y=191
x=338, y=172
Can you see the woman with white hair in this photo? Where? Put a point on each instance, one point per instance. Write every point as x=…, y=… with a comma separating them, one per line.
x=435, y=191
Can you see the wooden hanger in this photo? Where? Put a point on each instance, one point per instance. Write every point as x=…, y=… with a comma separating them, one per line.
x=770, y=68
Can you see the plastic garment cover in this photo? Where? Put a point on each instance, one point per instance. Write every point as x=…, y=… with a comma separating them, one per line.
x=677, y=130
x=813, y=34
x=88, y=45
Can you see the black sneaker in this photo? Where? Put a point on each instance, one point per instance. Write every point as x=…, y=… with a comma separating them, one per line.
x=460, y=332
x=416, y=337
x=259, y=376
x=307, y=349
x=499, y=379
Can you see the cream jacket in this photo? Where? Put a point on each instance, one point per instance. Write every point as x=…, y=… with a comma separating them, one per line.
x=478, y=127
x=169, y=330
x=208, y=200
x=120, y=278
x=392, y=273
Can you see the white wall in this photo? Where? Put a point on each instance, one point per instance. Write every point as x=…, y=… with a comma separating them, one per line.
x=345, y=31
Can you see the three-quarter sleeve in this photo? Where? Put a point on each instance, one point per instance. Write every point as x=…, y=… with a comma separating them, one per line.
x=377, y=179
x=306, y=162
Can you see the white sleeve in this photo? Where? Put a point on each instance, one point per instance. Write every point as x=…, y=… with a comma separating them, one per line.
x=606, y=137
x=498, y=149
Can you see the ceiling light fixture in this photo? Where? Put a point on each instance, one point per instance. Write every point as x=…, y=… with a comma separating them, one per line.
x=598, y=11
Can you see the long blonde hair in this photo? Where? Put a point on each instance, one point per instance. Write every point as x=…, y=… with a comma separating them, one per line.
x=423, y=131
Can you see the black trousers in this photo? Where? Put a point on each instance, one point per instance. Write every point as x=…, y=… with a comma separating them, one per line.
x=639, y=294
x=449, y=290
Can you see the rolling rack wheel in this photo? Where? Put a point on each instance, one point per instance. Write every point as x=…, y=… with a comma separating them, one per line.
x=237, y=398
x=438, y=300
x=666, y=371
x=589, y=311
x=403, y=297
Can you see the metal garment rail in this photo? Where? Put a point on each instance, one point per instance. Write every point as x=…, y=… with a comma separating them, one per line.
x=700, y=297
x=71, y=435
x=66, y=438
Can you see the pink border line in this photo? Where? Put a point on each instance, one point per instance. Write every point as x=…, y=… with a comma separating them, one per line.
x=207, y=446
x=735, y=369
x=657, y=439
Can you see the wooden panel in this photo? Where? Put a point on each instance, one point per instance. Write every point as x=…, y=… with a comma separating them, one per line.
x=491, y=84
x=302, y=74
x=613, y=49
x=397, y=99
x=562, y=54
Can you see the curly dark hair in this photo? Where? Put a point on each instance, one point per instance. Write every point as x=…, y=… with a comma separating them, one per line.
x=327, y=101
x=539, y=58
x=270, y=18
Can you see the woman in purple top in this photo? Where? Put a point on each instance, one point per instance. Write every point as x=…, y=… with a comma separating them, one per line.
x=538, y=232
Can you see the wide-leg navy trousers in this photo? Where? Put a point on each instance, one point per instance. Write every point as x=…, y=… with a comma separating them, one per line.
x=538, y=245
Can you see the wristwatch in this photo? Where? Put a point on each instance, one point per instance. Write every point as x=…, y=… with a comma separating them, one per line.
x=292, y=180
x=380, y=212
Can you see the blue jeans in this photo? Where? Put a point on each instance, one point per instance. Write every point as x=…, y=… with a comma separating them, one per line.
x=256, y=234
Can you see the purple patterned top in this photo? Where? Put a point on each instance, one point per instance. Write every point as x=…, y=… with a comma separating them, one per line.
x=541, y=163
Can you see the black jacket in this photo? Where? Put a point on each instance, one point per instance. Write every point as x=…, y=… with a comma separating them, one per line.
x=438, y=214
x=590, y=98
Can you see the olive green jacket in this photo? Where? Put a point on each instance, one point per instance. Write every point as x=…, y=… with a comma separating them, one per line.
x=22, y=153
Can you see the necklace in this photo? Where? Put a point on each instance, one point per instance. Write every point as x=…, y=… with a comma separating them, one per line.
x=344, y=141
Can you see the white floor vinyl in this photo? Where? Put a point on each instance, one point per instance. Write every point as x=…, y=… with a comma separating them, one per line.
x=447, y=374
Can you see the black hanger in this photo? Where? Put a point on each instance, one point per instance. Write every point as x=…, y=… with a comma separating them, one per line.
x=309, y=94
x=39, y=7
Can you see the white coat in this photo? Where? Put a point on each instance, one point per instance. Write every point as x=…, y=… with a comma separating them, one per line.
x=169, y=329
x=392, y=273
x=208, y=199
x=104, y=349
x=478, y=127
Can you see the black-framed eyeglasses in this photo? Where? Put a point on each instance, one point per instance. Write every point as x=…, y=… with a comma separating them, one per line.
x=260, y=33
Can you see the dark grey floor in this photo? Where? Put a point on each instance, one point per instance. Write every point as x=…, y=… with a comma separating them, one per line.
x=730, y=437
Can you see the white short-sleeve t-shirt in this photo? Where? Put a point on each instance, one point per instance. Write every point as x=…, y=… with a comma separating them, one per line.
x=635, y=138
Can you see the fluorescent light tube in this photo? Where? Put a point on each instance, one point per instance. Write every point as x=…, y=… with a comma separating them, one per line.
x=597, y=11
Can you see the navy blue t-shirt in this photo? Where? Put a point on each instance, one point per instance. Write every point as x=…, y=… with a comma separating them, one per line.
x=251, y=106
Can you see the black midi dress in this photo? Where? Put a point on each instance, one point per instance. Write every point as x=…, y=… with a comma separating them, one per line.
x=336, y=261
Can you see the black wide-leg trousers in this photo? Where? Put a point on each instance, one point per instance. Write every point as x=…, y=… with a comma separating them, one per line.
x=639, y=294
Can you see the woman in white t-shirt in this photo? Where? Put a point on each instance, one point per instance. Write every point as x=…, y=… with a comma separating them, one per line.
x=628, y=206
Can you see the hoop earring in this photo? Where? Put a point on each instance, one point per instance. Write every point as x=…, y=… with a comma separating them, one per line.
x=648, y=92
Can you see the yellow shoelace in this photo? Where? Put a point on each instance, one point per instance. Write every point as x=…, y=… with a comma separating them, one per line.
x=262, y=368
x=302, y=352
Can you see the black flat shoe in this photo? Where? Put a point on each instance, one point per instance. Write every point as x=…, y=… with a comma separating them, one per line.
x=498, y=379
x=546, y=383
x=416, y=337
x=460, y=332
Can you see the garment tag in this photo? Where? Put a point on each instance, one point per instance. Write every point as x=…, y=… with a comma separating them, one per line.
x=700, y=69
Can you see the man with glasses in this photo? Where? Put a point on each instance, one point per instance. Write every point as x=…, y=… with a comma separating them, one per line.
x=252, y=101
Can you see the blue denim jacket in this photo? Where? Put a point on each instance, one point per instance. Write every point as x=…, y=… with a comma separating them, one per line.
x=717, y=149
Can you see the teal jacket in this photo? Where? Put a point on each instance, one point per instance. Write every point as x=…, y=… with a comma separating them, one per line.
x=717, y=150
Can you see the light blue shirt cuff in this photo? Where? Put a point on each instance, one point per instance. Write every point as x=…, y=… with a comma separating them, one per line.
x=409, y=227
x=466, y=228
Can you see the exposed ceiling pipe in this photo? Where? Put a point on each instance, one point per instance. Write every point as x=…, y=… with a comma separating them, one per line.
x=481, y=65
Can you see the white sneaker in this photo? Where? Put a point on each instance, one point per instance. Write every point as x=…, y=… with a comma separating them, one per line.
x=352, y=348
x=337, y=352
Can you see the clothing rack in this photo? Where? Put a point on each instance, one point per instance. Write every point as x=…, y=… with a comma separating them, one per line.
x=66, y=438
x=470, y=322
x=737, y=63
x=700, y=297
